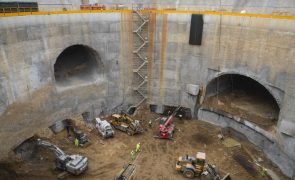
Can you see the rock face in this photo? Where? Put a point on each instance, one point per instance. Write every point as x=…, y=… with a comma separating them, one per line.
x=34, y=97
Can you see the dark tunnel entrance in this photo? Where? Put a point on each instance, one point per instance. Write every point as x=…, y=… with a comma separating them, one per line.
x=77, y=64
x=244, y=97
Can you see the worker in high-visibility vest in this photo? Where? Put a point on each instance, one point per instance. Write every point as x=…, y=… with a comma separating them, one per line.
x=264, y=172
x=137, y=149
x=76, y=142
x=132, y=155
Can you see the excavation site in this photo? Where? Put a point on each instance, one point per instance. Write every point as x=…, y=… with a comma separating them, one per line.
x=149, y=90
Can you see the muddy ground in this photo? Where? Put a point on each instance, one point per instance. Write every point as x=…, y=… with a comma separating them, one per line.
x=156, y=161
x=255, y=108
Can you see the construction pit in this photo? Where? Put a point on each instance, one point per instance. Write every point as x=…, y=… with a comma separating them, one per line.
x=229, y=65
x=157, y=158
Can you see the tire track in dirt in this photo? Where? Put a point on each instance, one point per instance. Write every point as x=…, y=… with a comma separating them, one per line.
x=156, y=161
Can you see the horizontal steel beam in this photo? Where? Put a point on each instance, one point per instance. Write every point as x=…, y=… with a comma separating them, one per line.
x=217, y=13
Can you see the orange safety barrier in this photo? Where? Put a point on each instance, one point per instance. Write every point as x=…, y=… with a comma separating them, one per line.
x=93, y=7
x=85, y=7
x=98, y=7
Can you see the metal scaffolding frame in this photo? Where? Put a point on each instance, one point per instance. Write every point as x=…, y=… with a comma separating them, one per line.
x=140, y=59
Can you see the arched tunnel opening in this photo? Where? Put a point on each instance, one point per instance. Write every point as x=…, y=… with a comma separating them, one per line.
x=77, y=64
x=242, y=97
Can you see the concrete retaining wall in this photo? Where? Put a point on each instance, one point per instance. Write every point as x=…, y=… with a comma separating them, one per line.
x=255, y=135
x=248, y=6
x=29, y=47
x=263, y=49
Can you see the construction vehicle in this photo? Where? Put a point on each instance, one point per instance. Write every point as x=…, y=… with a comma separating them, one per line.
x=126, y=124
x=73, y=164
x=167, y=126
x=104, y=128
x=77, y=133
x=126, y=173
x=195, y=166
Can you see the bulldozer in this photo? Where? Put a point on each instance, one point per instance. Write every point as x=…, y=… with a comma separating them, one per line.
x=195, y=166
x=126, y=124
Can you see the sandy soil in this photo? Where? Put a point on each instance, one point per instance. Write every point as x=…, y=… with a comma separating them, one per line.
x=250, y=107
x=156, y=161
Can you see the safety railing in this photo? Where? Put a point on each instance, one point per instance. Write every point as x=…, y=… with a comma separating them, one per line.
x=152, y=6
x=228, y=8
x=18, y=9
x=41, y=7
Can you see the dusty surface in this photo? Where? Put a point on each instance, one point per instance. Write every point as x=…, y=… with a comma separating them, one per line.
x=156, y=160
x=254, y=108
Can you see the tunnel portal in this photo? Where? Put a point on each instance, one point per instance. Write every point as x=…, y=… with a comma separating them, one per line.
x=244, y=97
x=77, y=64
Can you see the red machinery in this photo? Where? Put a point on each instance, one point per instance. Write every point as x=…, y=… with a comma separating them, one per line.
x=167, y=126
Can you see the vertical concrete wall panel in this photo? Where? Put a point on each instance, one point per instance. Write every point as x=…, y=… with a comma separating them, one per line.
x=262, y=49
x=241, y=45
x=163, y=56
x=29, y=48
x=152, y=30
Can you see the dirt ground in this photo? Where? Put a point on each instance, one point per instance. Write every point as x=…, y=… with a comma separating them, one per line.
x=251, y=107
x=157, y=159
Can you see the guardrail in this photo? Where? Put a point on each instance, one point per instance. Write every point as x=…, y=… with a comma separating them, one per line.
x=18, y=9
x=164, y=6
x=225, y=10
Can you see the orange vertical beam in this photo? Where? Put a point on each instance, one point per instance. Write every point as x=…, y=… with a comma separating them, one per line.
x=163, y=56
x=152, y=29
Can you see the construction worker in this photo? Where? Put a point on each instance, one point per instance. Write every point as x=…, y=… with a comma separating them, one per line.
x=132, y=155
x=76, y=142
x=137, y=150
x=180, y=116
x=264, y=172
x=150, y=123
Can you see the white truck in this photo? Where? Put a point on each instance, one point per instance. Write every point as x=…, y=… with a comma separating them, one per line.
x=104, y=128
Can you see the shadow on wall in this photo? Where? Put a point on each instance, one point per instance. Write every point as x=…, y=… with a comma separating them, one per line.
x=243, y=97
x=76, y=65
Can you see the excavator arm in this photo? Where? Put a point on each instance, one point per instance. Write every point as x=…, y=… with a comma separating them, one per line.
x=57, y=151
x=74, y=164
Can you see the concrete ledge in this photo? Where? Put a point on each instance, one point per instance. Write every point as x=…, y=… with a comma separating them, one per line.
x=192, y=89
x=255, y=135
